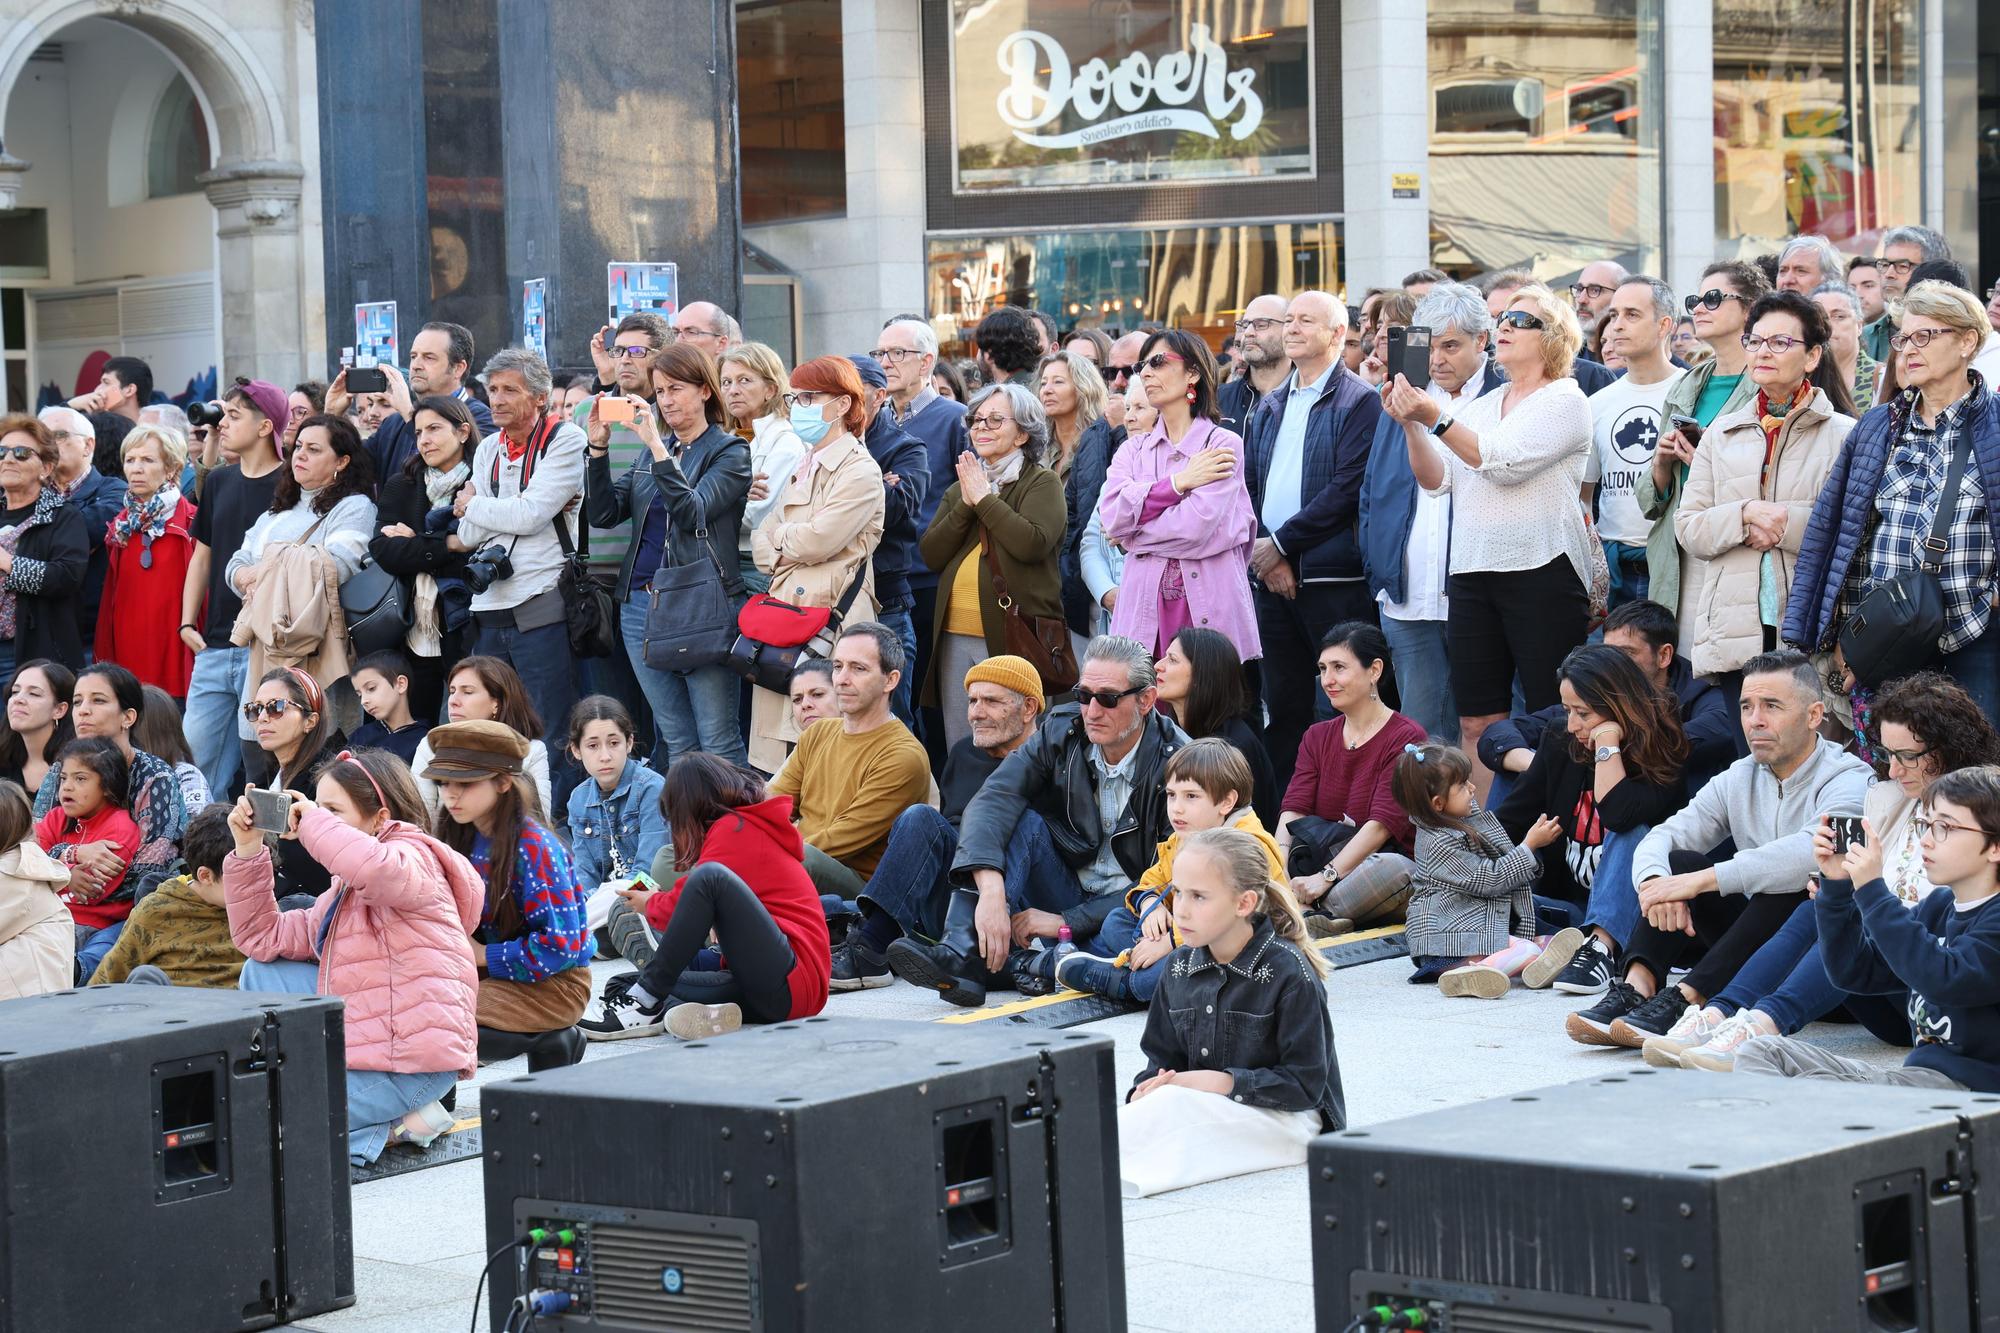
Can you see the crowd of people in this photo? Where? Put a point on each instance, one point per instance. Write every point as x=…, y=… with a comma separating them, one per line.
x=1645, y=667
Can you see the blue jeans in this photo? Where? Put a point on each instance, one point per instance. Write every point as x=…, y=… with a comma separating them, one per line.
x=1786, y=981
x=1035, y=875
x=910, y=882
x=1630, y=581
x=899, y=702
x=694, y=710
x=1120, y=932
x=542, y=659
x=213, y=718
x=92, y=943
x=1423, y=675
x=376, y=1099
x=1614, y=899
x=1976, y=667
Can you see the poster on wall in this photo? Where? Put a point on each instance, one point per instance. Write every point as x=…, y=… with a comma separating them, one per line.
x=635, y=286
x=535, y=316
x=375, y=335
x=1053, y=94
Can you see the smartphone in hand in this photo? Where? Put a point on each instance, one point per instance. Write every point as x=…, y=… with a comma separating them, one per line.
x=1847, y=832
x=616, y=409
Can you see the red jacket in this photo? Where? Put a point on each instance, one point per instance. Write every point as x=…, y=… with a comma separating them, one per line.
x=138, y=624
x=762, y=845
x=109, y=824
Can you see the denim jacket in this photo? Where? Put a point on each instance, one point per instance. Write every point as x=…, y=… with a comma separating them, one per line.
x=1261, y=1018
x=629, y=819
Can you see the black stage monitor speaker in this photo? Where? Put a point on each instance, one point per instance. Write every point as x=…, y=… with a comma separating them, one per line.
x=173, y=1159
x=822, y=1175
x=1668, y=1201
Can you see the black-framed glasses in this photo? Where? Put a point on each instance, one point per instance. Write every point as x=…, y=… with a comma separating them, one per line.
x=1589, y=291
x=1777, y=342
x=1161, y=360
x=805, y=398
x=20, y=453
x=1899, y=267
x=890, y=356
x=1939, y=829
x=1711, y=299
x=988, y=421
x=1256, y=325
x=1907, y=758
x=1520, y=319
x=1918, y=338
x=1105, y=699
x=635, y=352
x=274, y=708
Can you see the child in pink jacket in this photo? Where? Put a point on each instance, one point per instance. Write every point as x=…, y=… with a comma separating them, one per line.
x=391, y=938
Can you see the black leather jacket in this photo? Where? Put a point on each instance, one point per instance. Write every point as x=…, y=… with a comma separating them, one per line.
x=704, y=488
x=1261, y=1018
x=1052, y=775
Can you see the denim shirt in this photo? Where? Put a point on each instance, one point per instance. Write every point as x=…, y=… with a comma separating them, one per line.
x=628, y=822
x=1261, y=1018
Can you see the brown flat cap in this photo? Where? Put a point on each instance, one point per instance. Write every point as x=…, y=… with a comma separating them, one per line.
x=468, y=751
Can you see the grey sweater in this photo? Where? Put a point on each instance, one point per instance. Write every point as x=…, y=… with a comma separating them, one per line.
x=1772, y=822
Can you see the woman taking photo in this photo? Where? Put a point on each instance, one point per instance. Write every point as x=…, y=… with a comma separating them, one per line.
x=753, y=390
x=683, y=497
x=533, y=937
x=1345, y=838
x=1200, y=679
x=744, y=883
x=486, y=689
x=819, y=540
x=1751, y=489
x=1175, y=500
x=1520, y=544
x=1006, y=510
x=38, y=723
x=107, y=702
x=1072, y=395
x=416, y=550
x=294, y=739
x=147, y=552
x=389, y=937
x=1882, y=497
x=44, y=551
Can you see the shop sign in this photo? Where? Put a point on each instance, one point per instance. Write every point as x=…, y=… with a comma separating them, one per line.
x=1041, y=89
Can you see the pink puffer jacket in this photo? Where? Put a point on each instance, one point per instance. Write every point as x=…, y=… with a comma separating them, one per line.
x=399, y=950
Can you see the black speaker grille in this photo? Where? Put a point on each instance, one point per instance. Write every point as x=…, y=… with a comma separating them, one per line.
x=716, y=1287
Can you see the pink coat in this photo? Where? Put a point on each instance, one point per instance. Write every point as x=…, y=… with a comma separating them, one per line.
x=1209, y=530
x=399, y=951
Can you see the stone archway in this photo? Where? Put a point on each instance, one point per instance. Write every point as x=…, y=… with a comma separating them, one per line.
x=262, y=185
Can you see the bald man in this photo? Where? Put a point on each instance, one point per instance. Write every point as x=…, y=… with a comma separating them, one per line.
x=1260, y=335
x=1593, y=289
x=1124, y=367
x=707, y=326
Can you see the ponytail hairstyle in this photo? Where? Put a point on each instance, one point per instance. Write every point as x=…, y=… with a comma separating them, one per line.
x=1424, y=774
x=377, y=780
x=1247, y=868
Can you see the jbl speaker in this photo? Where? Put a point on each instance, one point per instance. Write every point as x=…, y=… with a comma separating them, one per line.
x=1667, y=1201
x=815, y=1175
x=173, y=1159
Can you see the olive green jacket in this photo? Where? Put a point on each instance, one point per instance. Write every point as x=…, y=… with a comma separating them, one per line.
x=1663, y=553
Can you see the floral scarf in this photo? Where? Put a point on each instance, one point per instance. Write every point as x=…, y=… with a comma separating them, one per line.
x=146, y=521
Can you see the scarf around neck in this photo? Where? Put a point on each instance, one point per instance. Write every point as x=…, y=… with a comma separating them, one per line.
x=146, y=521
x=1006, y=471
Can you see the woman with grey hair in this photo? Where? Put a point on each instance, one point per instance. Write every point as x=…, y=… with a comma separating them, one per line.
x=1842, y=305
x=998, y=532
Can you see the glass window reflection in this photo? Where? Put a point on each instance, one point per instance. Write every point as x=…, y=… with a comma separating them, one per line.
x=789, y=70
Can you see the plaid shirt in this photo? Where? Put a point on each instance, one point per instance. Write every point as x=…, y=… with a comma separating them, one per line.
x=1905, y=505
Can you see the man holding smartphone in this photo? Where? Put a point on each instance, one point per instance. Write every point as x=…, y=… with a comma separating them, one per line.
x=440, y=362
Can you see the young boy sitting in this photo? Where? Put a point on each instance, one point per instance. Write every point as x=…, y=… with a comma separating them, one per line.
x=182, y=927
x=1208, y=787
x=383, y=682
x=1945, y=952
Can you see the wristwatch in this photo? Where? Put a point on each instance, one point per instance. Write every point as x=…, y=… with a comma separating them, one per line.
x=1604, y=752
x=1444, y=423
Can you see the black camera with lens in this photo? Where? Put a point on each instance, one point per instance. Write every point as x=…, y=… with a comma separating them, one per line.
x=204, y=414
x=487, y=566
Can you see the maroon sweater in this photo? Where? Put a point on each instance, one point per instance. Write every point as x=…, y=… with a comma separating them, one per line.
x=1334, y=782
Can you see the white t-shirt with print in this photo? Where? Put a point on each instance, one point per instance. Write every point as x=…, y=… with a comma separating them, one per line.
x=1626, y=427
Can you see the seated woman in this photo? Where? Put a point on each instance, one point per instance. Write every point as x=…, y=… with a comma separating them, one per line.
x=615, y=824
x=37, y=936
x=1618, y=766
x=159, y=733
x=389, y=938
x=487, y=689
x=1340, y=813
x=1200, y=680
x=746, y=884
x=1930, y=727
x=295, y=738
x=535, y=965
x=37, y=725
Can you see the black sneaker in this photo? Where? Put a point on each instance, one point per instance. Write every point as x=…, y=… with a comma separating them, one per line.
x=1652, y=1019
x=858, y=967
x=632, y=936
x=620, y=1015
x=1592, y=1026
x=1588, y=972
x=934, y=967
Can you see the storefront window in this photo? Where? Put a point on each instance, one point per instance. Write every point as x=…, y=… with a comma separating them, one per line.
x=1817, y=124
x=789, y=70
x=1545, y=134
x=1058, y=93
x=1195, y=278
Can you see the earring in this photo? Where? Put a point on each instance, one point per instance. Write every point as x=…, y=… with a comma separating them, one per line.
x=1191, y=389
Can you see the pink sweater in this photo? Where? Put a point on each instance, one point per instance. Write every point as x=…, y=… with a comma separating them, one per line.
x=1334, y=782
x=399, y=951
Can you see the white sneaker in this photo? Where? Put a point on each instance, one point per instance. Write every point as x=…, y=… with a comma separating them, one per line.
x=696, y=1022
x=1718, y=1053
x=1692, y=1029
x=1475, y=980
x=620, y=1016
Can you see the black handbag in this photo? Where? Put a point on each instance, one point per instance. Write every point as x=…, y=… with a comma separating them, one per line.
x=376, y=610
x=690, y=621
x=1896, y=628
x=770, y=665
x=588, y=611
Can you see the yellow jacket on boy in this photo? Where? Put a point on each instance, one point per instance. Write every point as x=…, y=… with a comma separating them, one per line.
x=1157, y=884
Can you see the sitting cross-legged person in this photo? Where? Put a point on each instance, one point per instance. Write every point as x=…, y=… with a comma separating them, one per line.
x=909, y=889
x=1767, y=804
x=1945, y=953
x=1209, y=786
x=179, y=933
x=1061, y=830
x=1929, y=727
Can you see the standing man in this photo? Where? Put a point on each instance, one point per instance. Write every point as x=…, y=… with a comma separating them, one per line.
x=1261, y=339
x=232, y=499
x=1124, y=368
x=524, y=477
x=1806, y=261
x=1903, y=248
x=92, y=494
x=707, y=326
x=1627, y=422
x=1864, y=275
x=1010, y=346
x=1306, y=448
x=440, y=361
x=1591, y=293
x=906, y=481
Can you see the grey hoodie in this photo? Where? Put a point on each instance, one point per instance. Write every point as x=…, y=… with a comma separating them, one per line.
x=1772, y=822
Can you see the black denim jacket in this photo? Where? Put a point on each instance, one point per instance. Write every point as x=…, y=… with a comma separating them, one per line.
x=1261, y=1018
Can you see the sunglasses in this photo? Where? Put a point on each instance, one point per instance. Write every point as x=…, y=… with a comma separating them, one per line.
x=1712, y=299
x=1520, y=319
x=1161, y=360
x=274, y=708
x=1105, y=699
x=20, y=453
x=1119, y=372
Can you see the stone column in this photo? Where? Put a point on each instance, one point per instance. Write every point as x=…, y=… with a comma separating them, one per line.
x=1384, y=127
x=261, y=268
x=1687, y=150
